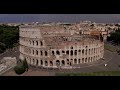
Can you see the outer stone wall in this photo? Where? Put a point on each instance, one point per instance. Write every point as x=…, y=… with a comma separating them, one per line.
x=34, y=48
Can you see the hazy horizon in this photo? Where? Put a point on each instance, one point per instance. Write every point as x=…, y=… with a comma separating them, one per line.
x=71, y=18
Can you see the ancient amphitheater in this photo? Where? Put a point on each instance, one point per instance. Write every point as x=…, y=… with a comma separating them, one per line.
x=53, y=46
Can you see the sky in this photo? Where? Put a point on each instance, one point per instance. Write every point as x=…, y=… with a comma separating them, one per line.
x=71, y=18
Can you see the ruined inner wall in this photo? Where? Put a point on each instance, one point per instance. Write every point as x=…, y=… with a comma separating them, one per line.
x=48, y=46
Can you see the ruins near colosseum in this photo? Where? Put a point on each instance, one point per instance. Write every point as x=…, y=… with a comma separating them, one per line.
x=53, y=46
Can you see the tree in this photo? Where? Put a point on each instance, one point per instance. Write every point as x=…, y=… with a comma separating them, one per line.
x=115, y=37
x=25, y=65
x=21, y=67
x=19, y=70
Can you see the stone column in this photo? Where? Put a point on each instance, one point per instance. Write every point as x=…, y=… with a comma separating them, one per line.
x=43, y=63
x=48, y=63
x=39, y=62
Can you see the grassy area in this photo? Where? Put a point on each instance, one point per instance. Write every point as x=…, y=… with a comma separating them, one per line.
x=107, y=73
x=110, y=48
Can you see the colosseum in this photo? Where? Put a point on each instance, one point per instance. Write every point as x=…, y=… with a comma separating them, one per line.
x=53, y=46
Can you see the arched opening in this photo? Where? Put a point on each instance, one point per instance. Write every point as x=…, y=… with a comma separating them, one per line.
x=33, y=51
x=46, y=63
x=75, y=61
x=83, y=51
x=57, y=63
x=71, y=48
x=41, y=43
x=71, y=52
x=78, y=60
x=53, y=53
x=89, y=59
x=51, y=63
x=86, y=52
x=41, y=53
x=33, y=42
x=94, y=50
x=71, y=62
x=63, y=62
x=37, y=43
x=82, y=60
x=89, y=51
x=41, y=62
x=85, y=60
x=36, y=62
x=36, y=52
x=67, y=52
x=57, y=52
x=67, y=61
x=75, y=52
x=46, y=53
x=63, y=51
x=79, y=51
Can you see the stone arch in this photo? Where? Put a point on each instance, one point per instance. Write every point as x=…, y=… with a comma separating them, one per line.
x=33, y=42
x=89, y=59
x=79, y=51
x=75, y=52
x=85, y=60
x=57, y=63
x=51, y=63
x=36, y=52
x=71, y=47
x=46, y=53
x=94, y=50
x=71, y=52
x=37, y=43
x=75, y=61
x=58, y=52
x=33, y=52
x=53, y=53
x=41, y=62
x=78, y=60
x=82, y=60
x=41, y=52
x=63, y=51
x=83, y=51
x=86, y=52
x=67, y=52
x=41, y=43
x=37, y=62
x=46, y=63
x=63, y=62
x=89, y=51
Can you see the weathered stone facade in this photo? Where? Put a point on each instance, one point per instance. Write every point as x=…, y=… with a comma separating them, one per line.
x=57, y=45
